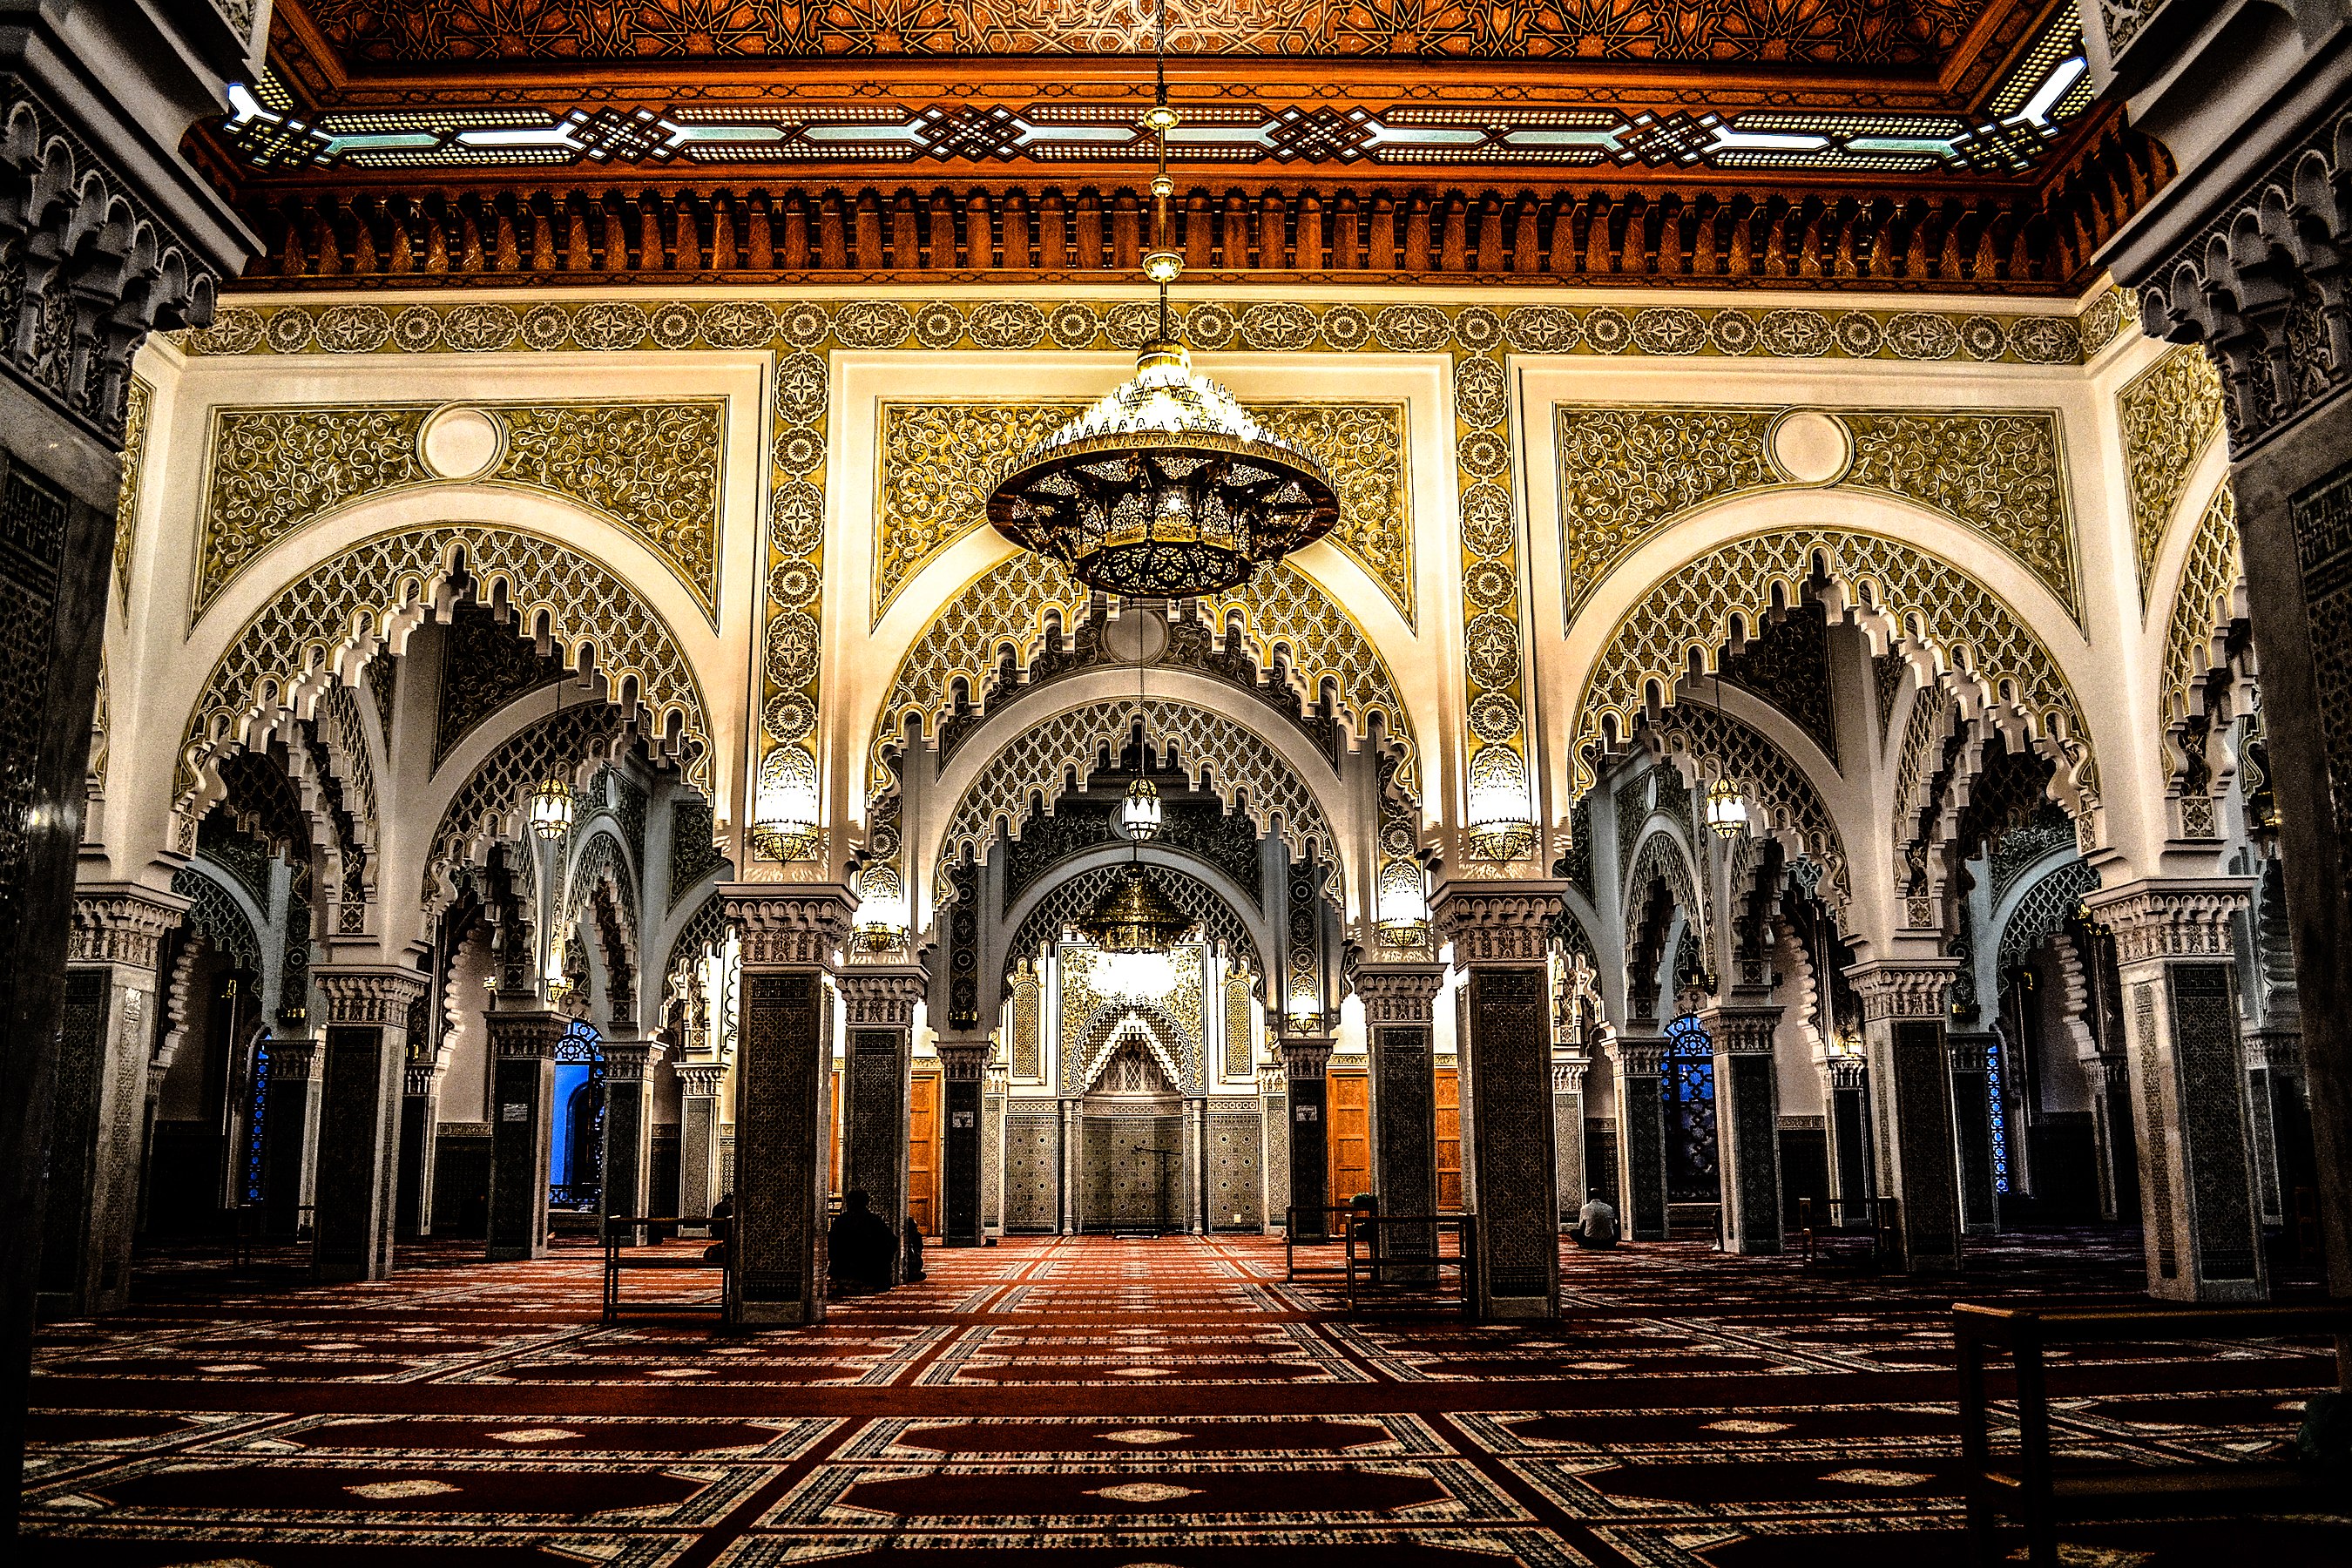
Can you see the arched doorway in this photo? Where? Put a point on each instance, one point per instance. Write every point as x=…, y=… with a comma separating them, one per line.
x=1131, y=1149
x=575, y=1176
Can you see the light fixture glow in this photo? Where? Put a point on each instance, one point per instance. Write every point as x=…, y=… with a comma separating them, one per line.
x=1727, y=814
x=550, y=807
x=1140, y=814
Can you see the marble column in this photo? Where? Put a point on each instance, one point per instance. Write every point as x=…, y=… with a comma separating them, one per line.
x=995, y=1092
x=1845, y=1100
x=628, y=1128
x=522, y=1127
x=1747, y=1120
x=1071, y=1171
x=1637, y=1065
x=876, y=1095
x=420, y=1124
x=1501, y=935
x=1570, y=1177
x=1306, y=1096
x=97, y=1120
x=963, y=1069
x=2274, y=1073
x=285, y=1127
x=2201, y=1219
x=1400, y=1010
x=1972, y=1129
x=1903, y=1013
x=1274, y=1166
x=792, y=938
x=2114, y=1148
x=359, y=1080
x=699, y=1088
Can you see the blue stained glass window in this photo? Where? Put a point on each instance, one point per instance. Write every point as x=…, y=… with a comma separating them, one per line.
x=575, y=1175
x=2000, y=1117
x=256, y=1112
x=1688, y=1085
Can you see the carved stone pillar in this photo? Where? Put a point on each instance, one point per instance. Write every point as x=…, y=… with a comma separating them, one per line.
x=1747, y=1120
x=629, y=1127
x=995, y=1094
x=1305, y=1059
x=2274, y=1075
x=1972, y=1080
x=522, y=1127
x=963, y=1067
x=1903, y=1014
x=1637, y=1064
x=877, y=1090
x=791, y=939
x=100, y=1103
x=359, y=1080
x=1845, y=1099
x=1274, y=1167
x=1570, y=1178
x=1501, y=935
x=1071, y=1173
x=420, y=1124
x=287, y=1126
x=1400, y=1004
x=698, y=1087
x=2202, y=1218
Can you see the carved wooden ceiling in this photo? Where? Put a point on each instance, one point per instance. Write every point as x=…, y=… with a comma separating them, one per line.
x=1866, y=128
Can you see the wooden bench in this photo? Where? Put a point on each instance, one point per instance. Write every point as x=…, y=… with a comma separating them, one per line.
x=1822, y=1221
x=2024, y=1487
x=620, y=1253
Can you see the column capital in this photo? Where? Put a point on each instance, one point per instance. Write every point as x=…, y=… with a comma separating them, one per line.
x=121, y=922
x=882, y=996
x=964, y=1060
x=292, y=1060
x=1304, y=1055
x=2179, y=917
x=1638, y=1056
x=1398, y=992
x=420, y=1083
x=625, y=1061
x=1269, y=1080
x=701, y=1079
x=1903, y=988
x=1567, y=1074
x=368, y=993
x=789, y=926
x=1846, y=1072
x=1497, y=923
x=1740, y=1029
x=524, y=1036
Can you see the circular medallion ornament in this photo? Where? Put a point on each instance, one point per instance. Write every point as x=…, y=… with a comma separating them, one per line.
x=1810, y=447
x=1859, y=334
x=1492, y=643
x=1131, y=326
x=1923, y=335
x=787, y=717
x=673, y=326
x=1732, y=332
x=1494, y=716
x=545, y=327
x=801, y=388
x=1478, y=391
x=792, y=645
x=1209, y=326
x=793, y=586
x=799, y=517
x=1543, y=329
x=1983, y=338
x=608, y=325
x=290, y=331
x=417, y=328
x=1478, y=330
x=2045, y=340
x=1795, y=334
x=803, y=325
x=738, y=324
x=798, y=450
x=1482, y=452
x=480, y=329
x=1277, y=328
x=939, y=326
x=1346, y=327
x=353, y=329
x=1412, y=329
x=461, y=443
x=1008, y=324
x=872, y=324
x=1669, y=330
x=234, y=331
x=1607, y=332
x=1073, y=325
x=1489, y=585
x=1486, y=520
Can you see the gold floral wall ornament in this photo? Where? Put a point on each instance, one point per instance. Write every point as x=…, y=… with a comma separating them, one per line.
x=136, y=410
x=1979, y=642
x=2170, y=413
x=938, y=461
x=2208, y=601
x=654, y=467
x=1627, y=473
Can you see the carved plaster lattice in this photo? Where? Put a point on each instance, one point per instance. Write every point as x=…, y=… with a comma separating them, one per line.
x=653, y=468
x=2170, y=413
x=1661, y=857
x=489, y=806
x=1216, y=919
x=1980, y=648
x=1626, y=473
x=1089, y=1016
x=2210, y=597
x=341, y=612
x=213, y=910
x=1213, y=752
x=2043, y=912
x=939, y=460
x=1780, y=798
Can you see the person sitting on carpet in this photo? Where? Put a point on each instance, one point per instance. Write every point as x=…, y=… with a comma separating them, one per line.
x=859, y=1245
x=912, y=1237
x=1596, y=1224
x=722, y=1230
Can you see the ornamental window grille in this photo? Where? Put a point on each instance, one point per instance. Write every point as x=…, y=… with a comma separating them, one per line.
x=576, y=1162
x=256, y=1112
x=1688, y=1085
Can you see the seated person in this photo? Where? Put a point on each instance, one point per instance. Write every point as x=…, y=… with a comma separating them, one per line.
x=1596, y=1224
x=859, y=1246
x=912, y=1238
x=722, y=1230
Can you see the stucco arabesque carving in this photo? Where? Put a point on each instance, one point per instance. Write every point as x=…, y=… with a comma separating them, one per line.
x=2173, y=918
x=1398, y=992
x=785, y=927
x=368, y=995
x=1909, y=988
x=122, y=924
x=881, y=996
x=1510, y=923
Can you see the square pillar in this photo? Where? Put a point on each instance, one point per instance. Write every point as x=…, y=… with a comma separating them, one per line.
x=1305, y=1059
x=1903, y=1014
x=995, y=1092
x=1746, y=1122
x=628, y=1128
x=1637, y=1065
x=1400, y=1006
x=877, y=1090
x=1274, y=1166
x=97, y=1129
x=522, y=1128
x=420, y=1137
x=792, y=938
x=1500, y=933
x=2201, y=1215
x=360, y=1081
x=699, y=1088
x=1845, y=1099
x=963, y=1065
x=1568, y=1135
x=1972, y=1128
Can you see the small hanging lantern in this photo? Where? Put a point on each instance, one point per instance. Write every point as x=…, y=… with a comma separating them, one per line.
x=1727, y=814
x=1135, y=916
x=1140, y=814
x=550, y=807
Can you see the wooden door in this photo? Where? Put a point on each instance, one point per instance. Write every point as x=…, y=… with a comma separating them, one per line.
x=922, y=1153
x=1348, y=1122
x=1449, y=1141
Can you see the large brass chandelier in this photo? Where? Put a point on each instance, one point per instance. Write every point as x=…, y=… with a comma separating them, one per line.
x=1167, y=488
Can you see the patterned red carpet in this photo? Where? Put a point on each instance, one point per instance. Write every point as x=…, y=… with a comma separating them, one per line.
x=1128, y=1404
